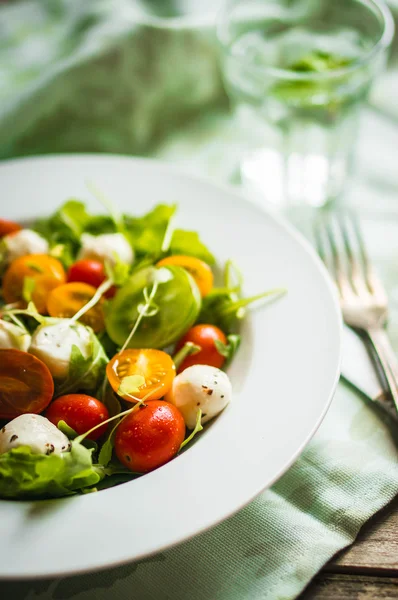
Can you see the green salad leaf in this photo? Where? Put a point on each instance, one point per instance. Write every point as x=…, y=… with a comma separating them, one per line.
x=230, y=349
x=85, y=374
x=24, y=475
x=198, y=427
x=146, y=233
x=188, y=243
x=63, y=230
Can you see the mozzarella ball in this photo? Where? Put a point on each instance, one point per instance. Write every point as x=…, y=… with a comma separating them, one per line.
x=200, y=387
x=36, y=432
x=53, y=345
x=12, y=336
x=24, y=242
x=106, y=247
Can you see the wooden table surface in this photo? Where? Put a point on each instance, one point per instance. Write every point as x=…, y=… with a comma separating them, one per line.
x=367, y=570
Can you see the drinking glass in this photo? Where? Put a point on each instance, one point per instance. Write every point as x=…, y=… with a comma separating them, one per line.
x=297, y=73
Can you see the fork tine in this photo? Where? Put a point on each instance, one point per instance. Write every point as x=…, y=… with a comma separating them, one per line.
x=372, y=281
x=330, y=254
x=358, y=271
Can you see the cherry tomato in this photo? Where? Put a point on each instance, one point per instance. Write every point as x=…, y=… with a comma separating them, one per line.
x=155, y=366
x=204, y=336
x=91, y=272
x=150, y=436
x=80, y=412
x=47, y=272
x=200, y=271
x=7, y=227
x=26, y=385
x=66, y=300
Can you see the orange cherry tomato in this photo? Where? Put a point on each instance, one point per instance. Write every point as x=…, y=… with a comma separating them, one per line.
x=155, y=366
x=91, y=272
x=79, y=411
x=150, y=436
x=47, y=272
x=199, y=270
x=26, y=385
x=7, y=227
x=66, y=300
x=204, y=336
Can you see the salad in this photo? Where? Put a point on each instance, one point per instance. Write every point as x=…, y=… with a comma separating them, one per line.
x=114, y=339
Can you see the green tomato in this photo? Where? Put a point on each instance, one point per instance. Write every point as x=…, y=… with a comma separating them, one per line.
x=177, y=299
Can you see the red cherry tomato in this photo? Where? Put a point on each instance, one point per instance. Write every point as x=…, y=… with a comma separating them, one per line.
x=204, y=336
x=91, y=272
x=150, y=436
x=80, y=412
x=26, y=384
x=7, y=227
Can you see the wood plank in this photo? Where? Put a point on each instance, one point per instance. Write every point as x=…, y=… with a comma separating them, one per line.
x=351, y=587
x=375, y=550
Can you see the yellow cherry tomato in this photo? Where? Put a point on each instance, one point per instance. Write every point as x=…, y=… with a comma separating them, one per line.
x=46, y=272
x=200, y=271
x=154, y=368
x=66, y=300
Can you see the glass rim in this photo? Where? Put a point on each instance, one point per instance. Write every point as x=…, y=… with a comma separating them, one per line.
x=382, y=43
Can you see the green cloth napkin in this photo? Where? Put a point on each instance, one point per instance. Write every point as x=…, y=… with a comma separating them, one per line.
x=139, y=77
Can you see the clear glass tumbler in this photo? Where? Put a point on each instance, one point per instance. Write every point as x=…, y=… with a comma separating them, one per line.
x=297, y=72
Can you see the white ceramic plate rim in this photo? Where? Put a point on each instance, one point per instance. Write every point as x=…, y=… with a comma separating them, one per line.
x=112, y=559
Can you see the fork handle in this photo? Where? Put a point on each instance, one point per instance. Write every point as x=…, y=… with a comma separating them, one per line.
x=387, y=359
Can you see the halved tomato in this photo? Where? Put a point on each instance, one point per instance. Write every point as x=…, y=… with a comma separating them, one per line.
x=26, y=385
x=154, y=367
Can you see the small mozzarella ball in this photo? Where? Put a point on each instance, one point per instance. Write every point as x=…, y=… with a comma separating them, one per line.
x=12, y=336
x=200, y=387
x=35, y=431
x=104, y=248
x=53, y=345
x=24, y=242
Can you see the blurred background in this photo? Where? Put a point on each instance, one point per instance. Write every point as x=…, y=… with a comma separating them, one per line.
x=142, y=77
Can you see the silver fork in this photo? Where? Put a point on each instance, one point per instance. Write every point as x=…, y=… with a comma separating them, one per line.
x=363, y=300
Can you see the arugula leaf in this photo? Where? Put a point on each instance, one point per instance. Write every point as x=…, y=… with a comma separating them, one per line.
x=116, y=478
x=188, y=349
x=68, y=431
x=106, y=451
x=27, y=475
x=28, y=287
x=73, y=214
x=109, y=398
x=118, y=272
x=146, y=233
x=85, y=374
x=230, y=349
x=198, y=427
x=188, y=243
x=221, y=309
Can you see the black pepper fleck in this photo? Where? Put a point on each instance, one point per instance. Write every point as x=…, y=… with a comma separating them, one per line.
x=205, y=387
x=222, y=395
x=209, y=392
x=3, y=430
x=13, y=438
x=198, y=404
x=128, y=458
